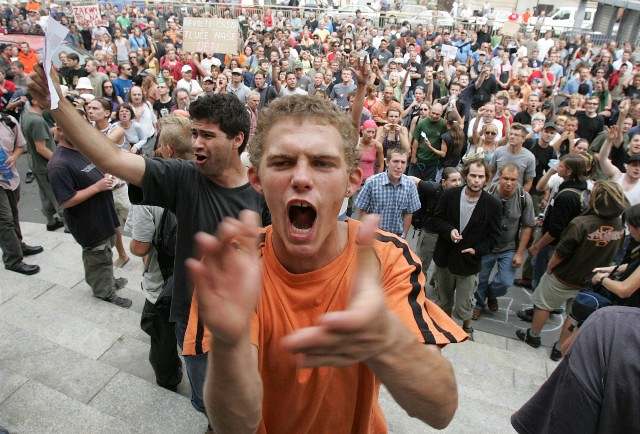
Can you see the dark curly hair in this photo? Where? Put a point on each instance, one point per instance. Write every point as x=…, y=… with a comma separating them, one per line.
x=224, y=110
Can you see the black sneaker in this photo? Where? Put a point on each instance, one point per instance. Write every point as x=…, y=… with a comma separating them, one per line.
x=120, y=283
x=55, y=226
x=525, y=336
x=120, y=301
x=29, y=178
x=525, y=315
x=556, y=354
x=26, y=269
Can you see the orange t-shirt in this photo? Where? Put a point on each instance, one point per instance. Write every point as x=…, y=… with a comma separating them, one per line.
x=28, y=60
x=328, y=399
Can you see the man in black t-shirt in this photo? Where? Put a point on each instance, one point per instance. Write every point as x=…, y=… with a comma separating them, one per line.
x=590, y=123
x=543, y=152
x=595, y=388
x=200, y=193
x=85, y=194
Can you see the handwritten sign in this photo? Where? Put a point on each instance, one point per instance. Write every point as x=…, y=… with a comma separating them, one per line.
x=210, y=35
x=449, y=51
x=510, y=28
x=87, y=17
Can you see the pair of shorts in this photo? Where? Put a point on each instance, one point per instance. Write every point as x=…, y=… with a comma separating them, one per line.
x=121, y=203
x=552, y=294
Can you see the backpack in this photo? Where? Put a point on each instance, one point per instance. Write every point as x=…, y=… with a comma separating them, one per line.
x=164, y=241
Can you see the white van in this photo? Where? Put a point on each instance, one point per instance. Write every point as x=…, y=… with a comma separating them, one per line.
x=564, y=18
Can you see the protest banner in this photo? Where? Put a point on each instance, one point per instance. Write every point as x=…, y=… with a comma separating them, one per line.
x=210, y=35
x=87, y=17
x=510, y=28
x=449, y=51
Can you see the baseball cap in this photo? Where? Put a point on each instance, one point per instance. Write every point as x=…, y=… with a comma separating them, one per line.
x=538, y=117
x=298, y=65
x=208, y=78
x=237, y=71
x=551, y=125
x=186, y=68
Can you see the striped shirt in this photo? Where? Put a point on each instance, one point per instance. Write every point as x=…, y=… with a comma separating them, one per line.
x=391, y=202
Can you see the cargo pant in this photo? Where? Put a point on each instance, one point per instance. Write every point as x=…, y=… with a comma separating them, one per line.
x=98, y=268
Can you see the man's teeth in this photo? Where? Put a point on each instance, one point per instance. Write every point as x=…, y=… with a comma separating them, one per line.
x=300, y=231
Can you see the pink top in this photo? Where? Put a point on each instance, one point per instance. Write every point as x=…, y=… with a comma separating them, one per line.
x=368, y=161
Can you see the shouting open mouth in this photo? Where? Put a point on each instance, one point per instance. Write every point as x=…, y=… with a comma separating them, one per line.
x=302, y=217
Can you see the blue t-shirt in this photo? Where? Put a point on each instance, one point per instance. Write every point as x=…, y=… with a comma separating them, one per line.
x=122, y=86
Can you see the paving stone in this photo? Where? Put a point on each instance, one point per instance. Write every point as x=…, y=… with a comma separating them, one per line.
x=65, y=371
x=68, y=276
x=147, y=407
x=77, y=334
x=16, y=342
x=131, y=356
x=479, y=358
x=496, y=341
x=86, y=306
x=15, y=284
x=35, y=408
x=9, y=383
x=135, y=294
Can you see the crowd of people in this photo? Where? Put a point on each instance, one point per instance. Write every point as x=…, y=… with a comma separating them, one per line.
x=517, y=156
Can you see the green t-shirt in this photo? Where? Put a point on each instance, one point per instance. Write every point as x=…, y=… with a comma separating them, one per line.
x=35, y=128
x=433, y=131
x=125, y=22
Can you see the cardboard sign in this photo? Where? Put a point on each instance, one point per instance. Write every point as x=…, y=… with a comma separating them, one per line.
x=210, y=35
x=449, y=51
x=87, y=17
x=510, y=28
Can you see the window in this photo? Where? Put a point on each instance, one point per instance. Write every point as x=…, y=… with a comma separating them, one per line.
x=562, y=15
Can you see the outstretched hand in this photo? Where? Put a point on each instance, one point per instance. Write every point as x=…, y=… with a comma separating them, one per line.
x=362, y=72
x=227, y=278
x=39, y=88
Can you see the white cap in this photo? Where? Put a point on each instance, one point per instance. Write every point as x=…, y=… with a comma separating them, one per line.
x=186, y=68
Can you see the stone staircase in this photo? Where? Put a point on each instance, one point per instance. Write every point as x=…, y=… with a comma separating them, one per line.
x=70, y=363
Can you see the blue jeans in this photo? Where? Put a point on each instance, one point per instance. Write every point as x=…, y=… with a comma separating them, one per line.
x=501, y=281
x=540, y=263
x=196, y=367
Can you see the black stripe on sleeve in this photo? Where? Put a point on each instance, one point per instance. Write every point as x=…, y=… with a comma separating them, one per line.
x=427, y=335
x=199, y=337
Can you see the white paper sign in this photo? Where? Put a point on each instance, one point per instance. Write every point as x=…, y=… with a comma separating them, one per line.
x=54, y=35
x=449, y=51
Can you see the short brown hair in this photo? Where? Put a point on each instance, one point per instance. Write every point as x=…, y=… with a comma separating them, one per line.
x=299, y=108
x=478, y=162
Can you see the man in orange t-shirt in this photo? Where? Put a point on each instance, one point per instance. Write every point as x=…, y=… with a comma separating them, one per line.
x=302, y=338
x=27, y=57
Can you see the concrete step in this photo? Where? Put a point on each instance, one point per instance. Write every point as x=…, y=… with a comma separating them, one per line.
x=32, y=407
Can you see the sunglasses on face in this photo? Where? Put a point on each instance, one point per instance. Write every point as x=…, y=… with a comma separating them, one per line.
x=491, y=133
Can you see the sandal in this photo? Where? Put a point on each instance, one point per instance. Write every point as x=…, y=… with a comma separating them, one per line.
x=492, y=304
x=121, y=262
x=476, y=313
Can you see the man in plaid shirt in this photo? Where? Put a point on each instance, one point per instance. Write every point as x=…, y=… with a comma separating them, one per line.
x=391, y=194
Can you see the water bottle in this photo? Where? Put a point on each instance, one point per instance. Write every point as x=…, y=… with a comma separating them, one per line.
x=5, y=171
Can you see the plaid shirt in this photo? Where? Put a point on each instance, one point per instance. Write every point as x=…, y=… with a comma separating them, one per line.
x=391, y=202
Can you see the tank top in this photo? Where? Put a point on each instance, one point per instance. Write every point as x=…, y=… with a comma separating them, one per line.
x=633, y=195
x=367, y=161
x=110, y=128
x=389, y=143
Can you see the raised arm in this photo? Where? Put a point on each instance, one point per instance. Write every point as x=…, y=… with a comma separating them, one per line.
x=361, y=74
x=603, y=156
x=88, y=140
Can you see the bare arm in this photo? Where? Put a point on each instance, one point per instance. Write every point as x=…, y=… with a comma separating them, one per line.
x=434, y=401
x=139, y=248
x=379, y=157
x=88, y=140
x=406, y=224
x=603, y=158
x=233, y=390
x=625, y=288
x=527, y=185
x=404, y=139
x=42, y=150
x=544, y=181
x=87, y=193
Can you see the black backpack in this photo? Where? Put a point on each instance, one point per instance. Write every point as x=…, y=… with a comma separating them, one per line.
x=164, y=241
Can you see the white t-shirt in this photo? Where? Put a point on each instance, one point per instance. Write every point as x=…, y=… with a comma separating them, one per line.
x=633, y=195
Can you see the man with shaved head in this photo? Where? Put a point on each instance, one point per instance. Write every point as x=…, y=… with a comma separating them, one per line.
x=427, y=148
